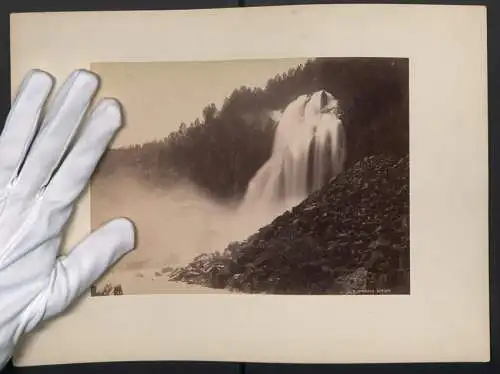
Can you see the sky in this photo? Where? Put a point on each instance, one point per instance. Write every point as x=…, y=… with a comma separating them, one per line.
x=157, y=96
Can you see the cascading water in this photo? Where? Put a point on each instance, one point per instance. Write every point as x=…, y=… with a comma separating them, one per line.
x=309, y=149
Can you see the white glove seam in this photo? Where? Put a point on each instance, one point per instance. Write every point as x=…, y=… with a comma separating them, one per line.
x=30, y=219
x=26, y=317
x=29, y=315
x=35, y=127
x=4, y=195
x=70, y=138
x=65, y=151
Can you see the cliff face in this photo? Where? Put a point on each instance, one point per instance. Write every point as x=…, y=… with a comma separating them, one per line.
x=352, y=236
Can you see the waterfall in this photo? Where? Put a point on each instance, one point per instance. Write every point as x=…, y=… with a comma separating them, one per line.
x=308, y=150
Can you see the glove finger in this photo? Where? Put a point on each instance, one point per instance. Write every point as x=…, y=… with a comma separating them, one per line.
x=77, y=167
x=23, y=122
x=87, y=262
x=58, y=129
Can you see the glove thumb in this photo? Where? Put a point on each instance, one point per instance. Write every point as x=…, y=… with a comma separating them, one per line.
x=87, y=262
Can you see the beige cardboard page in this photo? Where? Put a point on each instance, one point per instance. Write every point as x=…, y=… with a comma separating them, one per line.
x=445, y=317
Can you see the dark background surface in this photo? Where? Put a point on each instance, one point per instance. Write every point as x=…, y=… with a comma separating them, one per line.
x=12, y=6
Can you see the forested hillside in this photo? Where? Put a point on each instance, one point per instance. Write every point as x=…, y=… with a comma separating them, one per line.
x=221, y=151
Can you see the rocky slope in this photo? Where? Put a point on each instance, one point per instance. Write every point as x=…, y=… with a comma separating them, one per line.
x=352, y=236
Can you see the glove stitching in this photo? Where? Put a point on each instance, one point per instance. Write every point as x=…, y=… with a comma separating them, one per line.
x=30, y=219
x=41, y=133
x=35, y=128
x=4, y=194
x=30, y=317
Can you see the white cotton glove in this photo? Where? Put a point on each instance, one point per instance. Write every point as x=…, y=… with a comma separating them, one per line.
x=38, y=188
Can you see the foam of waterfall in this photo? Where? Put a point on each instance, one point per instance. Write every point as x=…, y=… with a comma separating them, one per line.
x=308, y=150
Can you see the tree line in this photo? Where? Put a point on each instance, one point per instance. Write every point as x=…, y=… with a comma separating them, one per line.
x=222, y=150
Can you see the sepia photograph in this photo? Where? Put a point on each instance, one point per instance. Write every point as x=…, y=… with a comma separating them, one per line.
x=267, y=172
x=276, y=176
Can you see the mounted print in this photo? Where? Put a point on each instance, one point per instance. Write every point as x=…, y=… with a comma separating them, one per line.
x=286, y=176
x=309, y=184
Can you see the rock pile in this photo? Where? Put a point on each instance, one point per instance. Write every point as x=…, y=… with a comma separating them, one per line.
x=107, y=290
x=352, y=236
